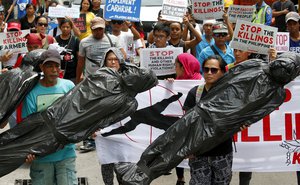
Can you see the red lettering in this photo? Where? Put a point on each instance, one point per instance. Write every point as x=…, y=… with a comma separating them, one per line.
x=288, y=127
x=297, y=117
x=267, y=131
x=240, y=34
x=246, y=138
x=242, y=27
x=296, y=158
x=288, y=95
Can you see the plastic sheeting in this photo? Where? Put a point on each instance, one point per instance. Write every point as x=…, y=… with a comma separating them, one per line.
x=16, y=83
x=99, y=100
x=244, y=95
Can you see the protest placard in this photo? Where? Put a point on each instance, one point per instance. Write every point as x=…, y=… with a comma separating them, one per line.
x=160, y=60
x=173, y=10
x=61, y=12
x=14, y=41
x=123, y=10
x=236, y=12
x=256, y=38
x=80, y=23
x=207, y=9
x=282, y=42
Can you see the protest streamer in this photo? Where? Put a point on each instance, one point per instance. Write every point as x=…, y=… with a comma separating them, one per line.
x=268, y=146
x=173, y=10
x=282, y=42
x=160, y=60
x=80, y=23
x=207, y=9
x=62, y=12
x=14, y=41
x=255, y=38
x=240, y=12
x=123, y=10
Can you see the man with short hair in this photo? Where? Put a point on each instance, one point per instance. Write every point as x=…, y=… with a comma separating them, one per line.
x=220, y=47
x=292, y=23
x=92, y=49
x=262, y=13
x=279, y=10
x=59, y=167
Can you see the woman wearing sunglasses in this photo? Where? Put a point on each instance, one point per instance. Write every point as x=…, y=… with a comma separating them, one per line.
x=41, y=24
x=214, y=166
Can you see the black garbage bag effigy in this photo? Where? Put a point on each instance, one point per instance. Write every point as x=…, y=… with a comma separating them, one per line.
x=99, y=100
x=244, y=95
x=16, y=83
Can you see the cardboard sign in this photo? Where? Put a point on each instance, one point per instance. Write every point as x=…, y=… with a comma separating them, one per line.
x=207, y=9
x=14, y=41
x=61, y=12
x=236, y=12
x=160, y=60
x=123, y=10
x=80, y=23
x=256, y=38
x=173, y=10
x=282, y=42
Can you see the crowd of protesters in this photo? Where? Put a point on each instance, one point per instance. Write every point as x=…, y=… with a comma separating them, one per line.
x=206, y=53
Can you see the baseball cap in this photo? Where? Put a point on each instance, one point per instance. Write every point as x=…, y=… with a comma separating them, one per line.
x=219, y=28
x=51, y=55
x=292, y=16
x=13, y=26
x=97, y=22
x=209, y=21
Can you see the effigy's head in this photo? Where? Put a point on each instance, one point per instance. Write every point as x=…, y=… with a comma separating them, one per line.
x=285, y=68
x=33, y=58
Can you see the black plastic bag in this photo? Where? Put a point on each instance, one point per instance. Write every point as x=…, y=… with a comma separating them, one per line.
x=243, y=96
x=16, y=83
x=98, y=101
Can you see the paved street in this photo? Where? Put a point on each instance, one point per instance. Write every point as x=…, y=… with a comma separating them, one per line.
x=88, y=166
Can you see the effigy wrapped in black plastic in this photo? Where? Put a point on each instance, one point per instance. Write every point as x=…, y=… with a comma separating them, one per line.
x=243, y=96
x=99, y=100
x=16, y=83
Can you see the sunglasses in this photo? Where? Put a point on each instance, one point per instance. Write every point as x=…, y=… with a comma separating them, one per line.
x=42, y=24
x=212, y=70
x=220, y=34
x=117, y=22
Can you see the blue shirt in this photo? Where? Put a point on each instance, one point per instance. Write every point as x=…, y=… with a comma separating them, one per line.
x=38, y=99
x=295, y=46
x=203, y=44
x=228, y=57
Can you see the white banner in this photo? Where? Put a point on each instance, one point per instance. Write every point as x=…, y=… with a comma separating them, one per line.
x=173, y=10
x=256, y=38
x=240, y=12
x=14, y=41
x=207, y=9
x=271, y=145
x=61, y=12
x=160, y=60
x=282, y=42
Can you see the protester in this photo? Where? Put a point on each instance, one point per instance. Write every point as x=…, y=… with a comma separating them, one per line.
x=279, y=10
x=71, y=45
x=27, y=22
x=59, y=167
x=262, y=13
x=292, y=23
x=41, y=24
x=214, y=166
x=96, y=9
x=18, y=8
x=88, y=15
x=3, y=24
x=221, y=48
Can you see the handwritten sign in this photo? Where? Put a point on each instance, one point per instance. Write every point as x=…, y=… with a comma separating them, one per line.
x=123, y=10
x=60, y=12
x=236, y=12
x=14, y=41
x=173, y=10
x=160, y=60
x=80, y=23
x=282, y=42
x=256, y=38
x=207, y=9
